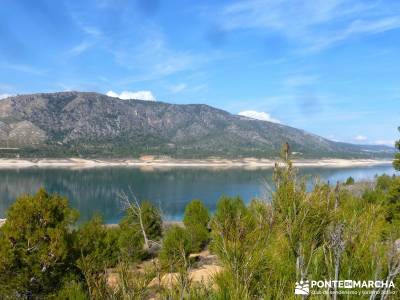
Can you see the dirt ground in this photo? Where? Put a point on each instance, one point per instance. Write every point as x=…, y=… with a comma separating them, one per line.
x=204, y=267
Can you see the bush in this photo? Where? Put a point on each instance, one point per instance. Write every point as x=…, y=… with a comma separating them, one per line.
x=396, y=161
x=151, y=219
x=133, y=282
x=196, y=214
x=384, y=182
x=132, y=241
x=175, y=249
x=35, y=244
x=98, y=244
x=349, y=181
x=72, y=290
x=387, y=194
x=229, y=215
x=240, y=246
x=196, y=219
x=393, y=201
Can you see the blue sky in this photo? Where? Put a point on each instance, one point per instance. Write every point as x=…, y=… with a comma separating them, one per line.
x=331, y=67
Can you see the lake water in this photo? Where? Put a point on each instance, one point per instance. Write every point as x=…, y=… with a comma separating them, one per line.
x=96, y=190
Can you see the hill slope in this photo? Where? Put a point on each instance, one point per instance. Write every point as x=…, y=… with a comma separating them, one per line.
x=95, y=125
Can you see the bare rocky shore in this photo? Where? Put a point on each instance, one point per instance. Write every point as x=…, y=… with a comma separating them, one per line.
x=154, y=162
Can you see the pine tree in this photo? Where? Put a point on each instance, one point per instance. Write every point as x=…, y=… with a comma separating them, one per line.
x=396, y=162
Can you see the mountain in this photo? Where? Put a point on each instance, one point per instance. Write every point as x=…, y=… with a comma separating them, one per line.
x=94, y=125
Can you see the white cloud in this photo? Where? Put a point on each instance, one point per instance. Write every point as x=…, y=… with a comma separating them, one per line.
x=152, y=57
x=3, y=96
x=178, y=88
x=360, y=138
x=313, y=24
x=300, y=80
x=138, y=95
x=79, y=49
x=92, y=31
x=258, y=115
x=357, y=27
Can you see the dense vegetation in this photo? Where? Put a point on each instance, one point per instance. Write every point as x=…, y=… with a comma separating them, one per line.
x=263, y=248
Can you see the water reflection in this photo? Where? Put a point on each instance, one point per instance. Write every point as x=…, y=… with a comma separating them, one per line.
x=96, y=190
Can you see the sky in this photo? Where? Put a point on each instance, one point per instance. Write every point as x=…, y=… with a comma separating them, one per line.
x=330, y=67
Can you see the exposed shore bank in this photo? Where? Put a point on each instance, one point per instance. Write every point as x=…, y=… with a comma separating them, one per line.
x=150, y=163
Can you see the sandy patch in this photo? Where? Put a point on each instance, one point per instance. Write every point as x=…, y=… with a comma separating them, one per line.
x=151, y=163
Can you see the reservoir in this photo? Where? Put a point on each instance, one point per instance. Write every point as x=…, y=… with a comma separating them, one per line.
x=96, y=190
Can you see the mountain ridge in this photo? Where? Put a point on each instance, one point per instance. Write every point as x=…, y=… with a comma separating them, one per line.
x=89, y=124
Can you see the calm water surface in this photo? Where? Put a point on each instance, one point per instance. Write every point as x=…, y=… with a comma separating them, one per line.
x=96, y=190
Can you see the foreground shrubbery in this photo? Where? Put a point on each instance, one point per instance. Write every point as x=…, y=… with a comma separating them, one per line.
x=196, y=221
x=263, y=248
x=36, y=245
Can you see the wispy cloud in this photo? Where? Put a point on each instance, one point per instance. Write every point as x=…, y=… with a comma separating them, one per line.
x=357, y=27
x=91, y=31
x=79, y=49
x=295, y=81
x=154, y=58
x=28, y=69
x=92, y=36
x=312, y=24
x=138, y=46
x=177, y=88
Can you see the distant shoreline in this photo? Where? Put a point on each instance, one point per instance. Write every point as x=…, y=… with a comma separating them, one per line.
x=158, y=163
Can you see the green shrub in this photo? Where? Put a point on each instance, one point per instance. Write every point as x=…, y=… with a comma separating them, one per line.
x=199, y=236
x=241, y=247
x=396, y=161
x=98, y=244
x=72, y=290
x=35, y=244
x=151, y=218
x=349, y=181
x=130, y=243
x=133, y=283
x=175, y=249
x=387, y=194
x=393, y=201
x=140, y=224
x=384, y=182
x=229, y=215
x=196, y=219
x=196, y=213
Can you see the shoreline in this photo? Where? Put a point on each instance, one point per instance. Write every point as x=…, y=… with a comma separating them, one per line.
x=159, y=163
